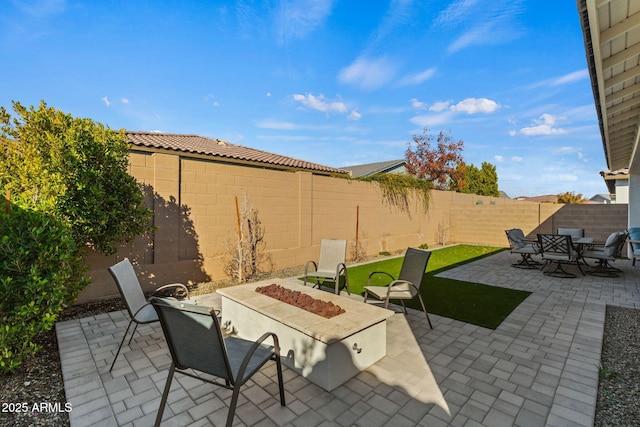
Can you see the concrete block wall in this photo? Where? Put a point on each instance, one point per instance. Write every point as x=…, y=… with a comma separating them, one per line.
x=194, y=203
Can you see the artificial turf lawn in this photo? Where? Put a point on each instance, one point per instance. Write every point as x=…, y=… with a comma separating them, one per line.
x=475, y=303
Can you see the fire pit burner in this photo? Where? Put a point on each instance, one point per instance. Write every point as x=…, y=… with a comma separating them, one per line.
x=326, y=309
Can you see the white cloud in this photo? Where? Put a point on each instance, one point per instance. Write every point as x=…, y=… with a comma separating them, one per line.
x=498, y=158
x=489, y=23
x=354, y=115
x=440, y=106
x=475, y=105
x=428, y=120
x=274, y=124
x=418, y=105
x=106, y=101
x=416, y=79
x=516, y=159
x=320, y=103
x=567, y=149
x=298, y=18
x=571, y=77
x=455, y=12
x=124, y=100
x=283, y=125
x=368, y=74
x=544, y=125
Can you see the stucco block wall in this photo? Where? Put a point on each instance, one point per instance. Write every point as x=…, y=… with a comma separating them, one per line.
x=194, y=203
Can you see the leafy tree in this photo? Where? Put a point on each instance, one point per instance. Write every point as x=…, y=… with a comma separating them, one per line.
x=483, y=181
x=570, y=197
x=74, y=169
x=69, y=188
x=441, y=165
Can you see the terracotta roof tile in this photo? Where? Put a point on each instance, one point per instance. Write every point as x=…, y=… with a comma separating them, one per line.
x=219, y=148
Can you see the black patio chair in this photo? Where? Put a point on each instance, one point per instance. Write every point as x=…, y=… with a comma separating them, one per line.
x=558, y=249
x=407, y=285
x=196, y=342
x=140, y=311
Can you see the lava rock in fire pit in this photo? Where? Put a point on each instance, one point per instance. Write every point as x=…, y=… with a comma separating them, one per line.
x=326, y=309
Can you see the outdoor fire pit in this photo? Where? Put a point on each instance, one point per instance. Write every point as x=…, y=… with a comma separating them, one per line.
x=327, y=351
x=326, y=309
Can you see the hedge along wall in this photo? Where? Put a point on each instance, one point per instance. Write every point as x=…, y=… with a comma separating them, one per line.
x=194, y=200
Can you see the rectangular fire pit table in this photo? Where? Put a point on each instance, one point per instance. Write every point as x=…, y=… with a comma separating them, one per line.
x=326, y=351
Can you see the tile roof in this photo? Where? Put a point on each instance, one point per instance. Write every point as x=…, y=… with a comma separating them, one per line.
x=373, y=168
x=223, y=149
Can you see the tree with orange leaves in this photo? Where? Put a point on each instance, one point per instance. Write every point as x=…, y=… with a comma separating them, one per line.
x=442, y=165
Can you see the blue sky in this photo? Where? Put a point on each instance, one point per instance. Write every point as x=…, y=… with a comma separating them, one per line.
x=333, y=82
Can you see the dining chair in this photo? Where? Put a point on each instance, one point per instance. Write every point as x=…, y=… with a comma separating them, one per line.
x=605, y=254
x=558, y=249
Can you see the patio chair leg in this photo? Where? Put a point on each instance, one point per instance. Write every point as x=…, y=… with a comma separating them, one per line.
x=280, y=380
x=232, y=404
x=560, y=272
x=122, y=342
x=403, y=306
x=425, y=310
x=163, y=401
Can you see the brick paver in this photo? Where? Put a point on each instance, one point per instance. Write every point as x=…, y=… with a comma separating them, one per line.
x=539, y=368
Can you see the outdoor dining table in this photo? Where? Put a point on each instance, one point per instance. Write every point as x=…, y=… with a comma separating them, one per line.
x=580, y=245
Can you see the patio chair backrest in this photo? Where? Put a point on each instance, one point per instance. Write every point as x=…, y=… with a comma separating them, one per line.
x=615, y=242
x=559, y=246
x=128, y=285
x=194, y=337
x=332, y=253
x=413, y=266
x=575, y=233
x=516, y=238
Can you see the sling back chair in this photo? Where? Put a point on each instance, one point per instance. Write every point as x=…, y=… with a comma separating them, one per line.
x=331, y=265
x=407, y=285
x=140, y=311
x=196, y=343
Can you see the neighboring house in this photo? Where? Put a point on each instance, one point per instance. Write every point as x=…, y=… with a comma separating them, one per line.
x=617, y=182
x=390, y=166
x=225, y=152
x=601, y=198
x=549, y=198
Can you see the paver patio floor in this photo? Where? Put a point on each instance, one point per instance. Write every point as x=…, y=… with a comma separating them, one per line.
x=538, y=368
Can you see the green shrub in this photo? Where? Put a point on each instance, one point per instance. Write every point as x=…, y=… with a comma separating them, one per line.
x=424, y=246
x=40, y=271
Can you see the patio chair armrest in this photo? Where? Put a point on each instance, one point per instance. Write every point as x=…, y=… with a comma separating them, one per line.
x=341, y=267
x=378, y=272
x=306, y=267
x=171, y=285
x=400, y=282
x=247, y=358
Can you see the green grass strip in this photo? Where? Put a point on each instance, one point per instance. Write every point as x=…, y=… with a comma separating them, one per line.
x=475, y=303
